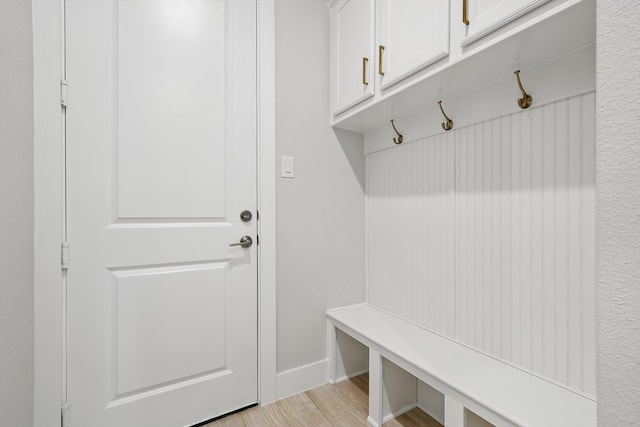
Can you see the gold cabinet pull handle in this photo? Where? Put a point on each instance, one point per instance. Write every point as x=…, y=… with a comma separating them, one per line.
x=364, y=70
x=380, y=50
x=465, y=7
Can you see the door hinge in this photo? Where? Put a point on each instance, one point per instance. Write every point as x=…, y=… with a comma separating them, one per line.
x=64, y=255
x=63, y=93
x=64, y=415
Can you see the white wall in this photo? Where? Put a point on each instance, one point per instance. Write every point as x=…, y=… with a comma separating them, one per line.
x=16, y=214
x=525, y=231
x=320, y=237
x=618, y=213
x=485, y=234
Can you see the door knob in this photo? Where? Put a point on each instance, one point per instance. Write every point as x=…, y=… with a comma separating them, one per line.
x=245, y=242
x=246, y=216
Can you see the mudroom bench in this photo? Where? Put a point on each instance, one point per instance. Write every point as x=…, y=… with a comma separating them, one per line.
x=469, y=380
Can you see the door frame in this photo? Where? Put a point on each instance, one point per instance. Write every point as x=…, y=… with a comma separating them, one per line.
x=48, y=45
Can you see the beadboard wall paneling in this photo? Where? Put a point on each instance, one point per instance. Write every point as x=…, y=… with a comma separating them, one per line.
x=525, y=239
x=486, y=234
x=410, y=215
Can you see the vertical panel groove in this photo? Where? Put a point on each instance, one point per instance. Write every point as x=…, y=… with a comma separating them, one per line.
x=501, y=261
x=542, y=248
x=531, y=245
x=568, y=239
x=554, y=243
x=580, y=206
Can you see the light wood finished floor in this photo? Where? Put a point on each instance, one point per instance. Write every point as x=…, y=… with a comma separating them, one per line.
x=343, y=405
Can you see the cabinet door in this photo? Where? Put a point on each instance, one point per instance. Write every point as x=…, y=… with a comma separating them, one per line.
x=413, y=35
x=352, y=32
x=485, y=16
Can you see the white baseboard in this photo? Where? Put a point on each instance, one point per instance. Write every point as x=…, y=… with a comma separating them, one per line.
x=399, y=412
x=433, y=415
x=389, y=417
x=431, y=401
x=393, y=415
x=351, y=375
x=303, y=378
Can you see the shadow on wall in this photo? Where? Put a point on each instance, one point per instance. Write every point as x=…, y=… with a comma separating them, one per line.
x=352, y=144
x=419, y=168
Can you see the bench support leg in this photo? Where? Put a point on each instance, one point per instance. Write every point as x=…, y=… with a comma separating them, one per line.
x=453, y=412
x=375, y=389
x=332, y=353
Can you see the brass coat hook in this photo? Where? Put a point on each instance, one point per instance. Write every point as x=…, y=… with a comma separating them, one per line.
x=526, y=100
x=448, y=124
x=400, y=138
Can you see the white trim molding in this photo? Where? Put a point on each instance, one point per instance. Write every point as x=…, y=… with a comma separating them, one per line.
x=267, y=202
x=48, y=233
x=302, y=378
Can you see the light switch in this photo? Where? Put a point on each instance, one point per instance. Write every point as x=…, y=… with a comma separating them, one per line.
x=287, y=166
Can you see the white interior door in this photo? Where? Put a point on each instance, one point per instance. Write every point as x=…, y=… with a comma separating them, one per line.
x=161, y=160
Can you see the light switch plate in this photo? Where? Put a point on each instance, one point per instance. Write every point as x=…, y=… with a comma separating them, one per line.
x=287, y=166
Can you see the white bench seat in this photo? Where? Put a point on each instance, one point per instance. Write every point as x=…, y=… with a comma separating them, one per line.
x=502, y=394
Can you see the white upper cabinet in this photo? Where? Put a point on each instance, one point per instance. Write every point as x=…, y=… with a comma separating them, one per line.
x=387, y=52
x=413, y=34
x=485, y=16
x=352, y=46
